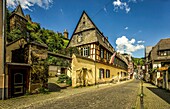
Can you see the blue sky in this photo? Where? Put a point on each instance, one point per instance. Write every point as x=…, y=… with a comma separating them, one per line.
x=129, y=24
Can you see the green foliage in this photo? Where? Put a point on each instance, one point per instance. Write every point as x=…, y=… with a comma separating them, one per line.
x=65, y=43
x=13, y=35
x=33, y=27
x=138, y=61
x=43, y=90
x=8, y=22
x=58, y=61
x=63, y=78
x=39, y=70
x=73, y=50
x=153, y=70
x=69, y=81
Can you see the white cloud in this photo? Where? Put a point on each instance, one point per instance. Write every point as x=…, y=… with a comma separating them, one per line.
x=118, y=4
x=121, y=5
x=141, y=41
x=126, y=28
x=61, y=10
x=105, y=9
x=26, y=4
x=134, y=1
x=124, y=45
x=132, y=41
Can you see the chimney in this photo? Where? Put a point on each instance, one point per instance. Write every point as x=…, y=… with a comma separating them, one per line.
x=65, y=34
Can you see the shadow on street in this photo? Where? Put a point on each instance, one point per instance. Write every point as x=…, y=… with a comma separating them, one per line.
x=162, y=93
x=54, y=87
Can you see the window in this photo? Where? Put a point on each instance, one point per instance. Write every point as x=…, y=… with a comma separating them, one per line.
x=79, y=37
x=107, y=73
x=164, y=53
x=101, y=73
x=85, y=51
x=107, y=55
x=101, y=53
x=84, y=23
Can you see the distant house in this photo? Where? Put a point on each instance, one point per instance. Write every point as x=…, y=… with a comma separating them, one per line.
x=91, y=65
x=159, y=62
x=146, y=73
x=130, y=65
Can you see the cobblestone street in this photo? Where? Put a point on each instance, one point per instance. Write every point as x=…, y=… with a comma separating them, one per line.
x=154, y=98
x=119, y=97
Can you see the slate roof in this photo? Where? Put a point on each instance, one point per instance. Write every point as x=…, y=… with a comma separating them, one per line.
x=18, y=11
x=164, y=44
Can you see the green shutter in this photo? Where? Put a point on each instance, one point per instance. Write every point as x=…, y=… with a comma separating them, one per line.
x=81, y=51
x=88, y=51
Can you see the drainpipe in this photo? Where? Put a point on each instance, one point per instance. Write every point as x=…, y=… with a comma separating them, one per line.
x=95, y=65
x=95, y=70
x=3, y=45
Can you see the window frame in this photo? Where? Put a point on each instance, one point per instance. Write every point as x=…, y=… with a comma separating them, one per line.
x=107, y=73
x=85, y=51
x=101, y=73
x=101, y=53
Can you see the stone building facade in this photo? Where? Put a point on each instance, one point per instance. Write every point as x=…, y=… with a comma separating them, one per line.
x=130, y=65
x=93, y=45
x=146, y=73
x=18, y=20
x=159, y=62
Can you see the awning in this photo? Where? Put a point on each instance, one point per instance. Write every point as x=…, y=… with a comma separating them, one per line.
x=162, y=68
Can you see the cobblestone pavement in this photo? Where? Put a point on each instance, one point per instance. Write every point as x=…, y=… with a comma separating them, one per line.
x=154, y=98
x=122, y=96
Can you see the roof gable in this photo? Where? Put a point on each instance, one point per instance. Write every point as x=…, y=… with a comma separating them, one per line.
x=85, y=24
x=18, y=10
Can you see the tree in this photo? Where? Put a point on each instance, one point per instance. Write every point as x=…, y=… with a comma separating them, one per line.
x=138, y=61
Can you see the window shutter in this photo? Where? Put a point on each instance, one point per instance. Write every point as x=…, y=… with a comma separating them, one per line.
x=81, y=51
x=100, y=73
x=103, y=73
x=88, y=51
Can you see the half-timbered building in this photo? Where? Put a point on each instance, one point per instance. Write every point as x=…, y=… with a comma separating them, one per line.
x=95, y=47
